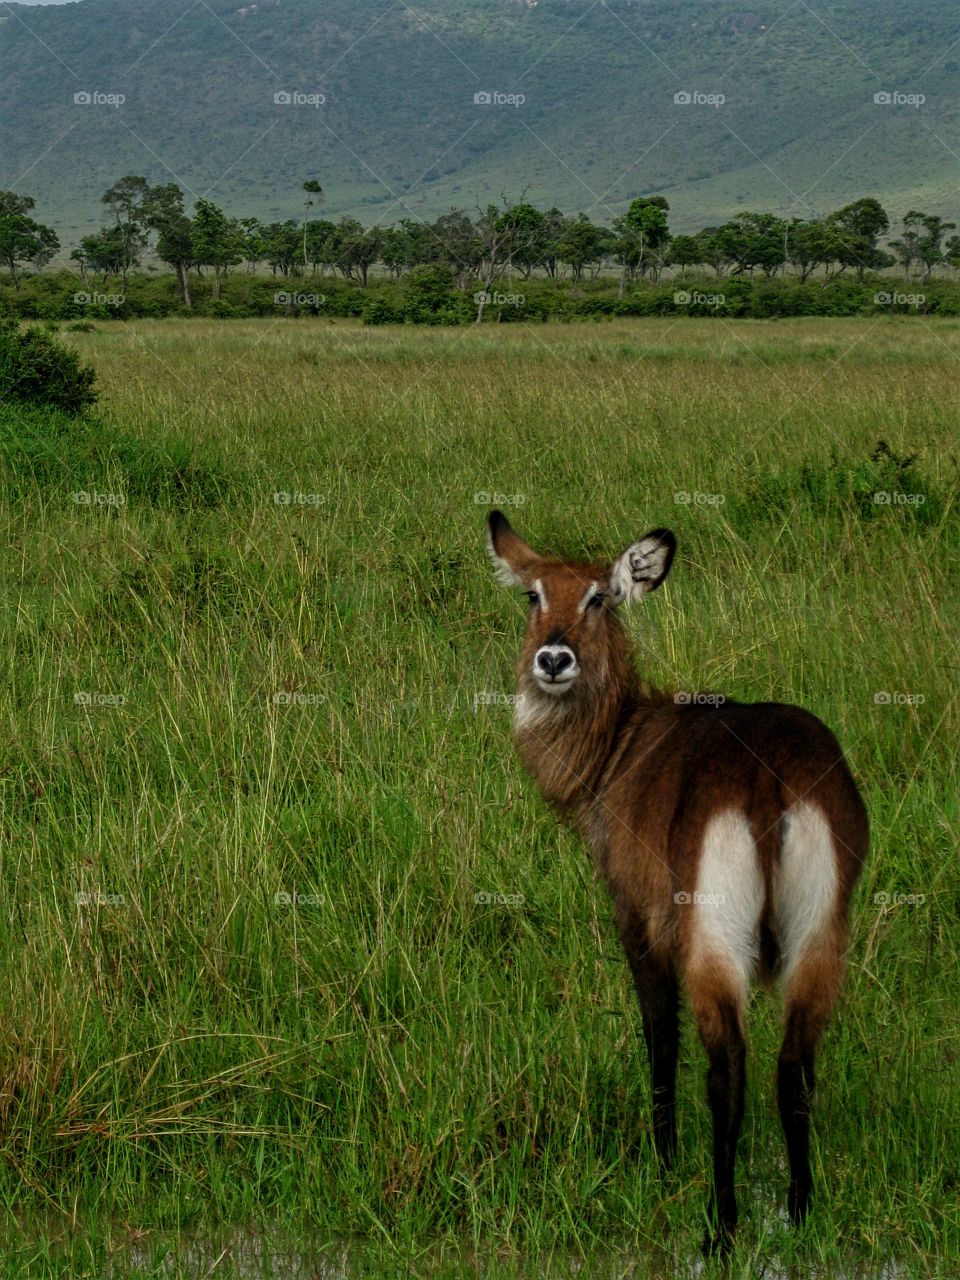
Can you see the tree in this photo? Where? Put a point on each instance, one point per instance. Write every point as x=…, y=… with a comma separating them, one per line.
x=526, y=240
x=359, y=248
x=312, y=189
x=755, y=240
x=281, y=245
x=858, y=227
x=104, y=253
x=810, y=244
x=458, y=244
x=21, y=238
x=685, y=251
x=643, y=236
x=162, y=212
x=582, y=244
x=126, y=200
x=251, y=241
x=922, y=241
x=217, y=241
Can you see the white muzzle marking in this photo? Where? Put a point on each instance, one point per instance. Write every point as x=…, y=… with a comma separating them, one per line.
x=555, y=668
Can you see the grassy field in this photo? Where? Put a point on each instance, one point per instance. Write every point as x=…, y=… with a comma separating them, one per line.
x=257, y=780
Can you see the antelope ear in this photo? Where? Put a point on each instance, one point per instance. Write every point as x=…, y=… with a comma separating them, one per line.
x=642, y=567
x=513, y=561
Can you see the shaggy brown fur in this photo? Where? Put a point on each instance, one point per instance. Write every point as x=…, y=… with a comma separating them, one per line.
x=674, y=795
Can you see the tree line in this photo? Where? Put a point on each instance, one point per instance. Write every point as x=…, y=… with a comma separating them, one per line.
x=511, y=239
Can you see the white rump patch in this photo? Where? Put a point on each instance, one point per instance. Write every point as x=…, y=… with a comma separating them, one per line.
x=728, y=899
x=805, y=892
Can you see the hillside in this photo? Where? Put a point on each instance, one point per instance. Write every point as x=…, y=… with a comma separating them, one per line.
x=399, y=134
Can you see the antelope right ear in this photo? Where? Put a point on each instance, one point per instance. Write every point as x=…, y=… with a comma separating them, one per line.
x=513, y=561
x=643, y=566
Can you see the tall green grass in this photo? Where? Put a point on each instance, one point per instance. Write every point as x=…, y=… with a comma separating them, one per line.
x=256, y=779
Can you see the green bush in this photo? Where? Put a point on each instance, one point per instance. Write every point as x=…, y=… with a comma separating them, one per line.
x=37, y=369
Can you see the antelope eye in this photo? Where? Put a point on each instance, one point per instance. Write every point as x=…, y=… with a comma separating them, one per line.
x=596, y=602
x=532, y=597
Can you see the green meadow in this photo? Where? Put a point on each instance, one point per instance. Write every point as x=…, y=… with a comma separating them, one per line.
x=298, y=970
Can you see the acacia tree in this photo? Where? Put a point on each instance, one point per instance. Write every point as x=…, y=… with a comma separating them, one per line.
x=21, y=238
x=922, y=242
x=126, y=199
x=857, y=228
x=163, y=213
x=314, y=194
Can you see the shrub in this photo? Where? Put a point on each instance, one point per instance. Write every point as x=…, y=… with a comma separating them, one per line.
x=37, y=369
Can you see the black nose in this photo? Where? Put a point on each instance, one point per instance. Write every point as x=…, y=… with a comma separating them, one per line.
x=553, y=663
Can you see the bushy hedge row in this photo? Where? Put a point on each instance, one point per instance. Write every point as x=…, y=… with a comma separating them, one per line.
x=428, y=295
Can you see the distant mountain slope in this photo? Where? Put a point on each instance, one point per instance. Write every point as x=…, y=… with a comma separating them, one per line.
x=399, y=133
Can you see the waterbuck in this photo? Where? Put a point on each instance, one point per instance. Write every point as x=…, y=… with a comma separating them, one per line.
x=729, y=834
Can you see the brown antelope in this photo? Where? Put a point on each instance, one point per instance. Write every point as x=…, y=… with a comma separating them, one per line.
x=730, y=835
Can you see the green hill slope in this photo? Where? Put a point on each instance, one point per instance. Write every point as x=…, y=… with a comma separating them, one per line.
x=399, y=133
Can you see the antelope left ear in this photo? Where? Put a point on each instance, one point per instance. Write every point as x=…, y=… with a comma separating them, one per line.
x=642, y=567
